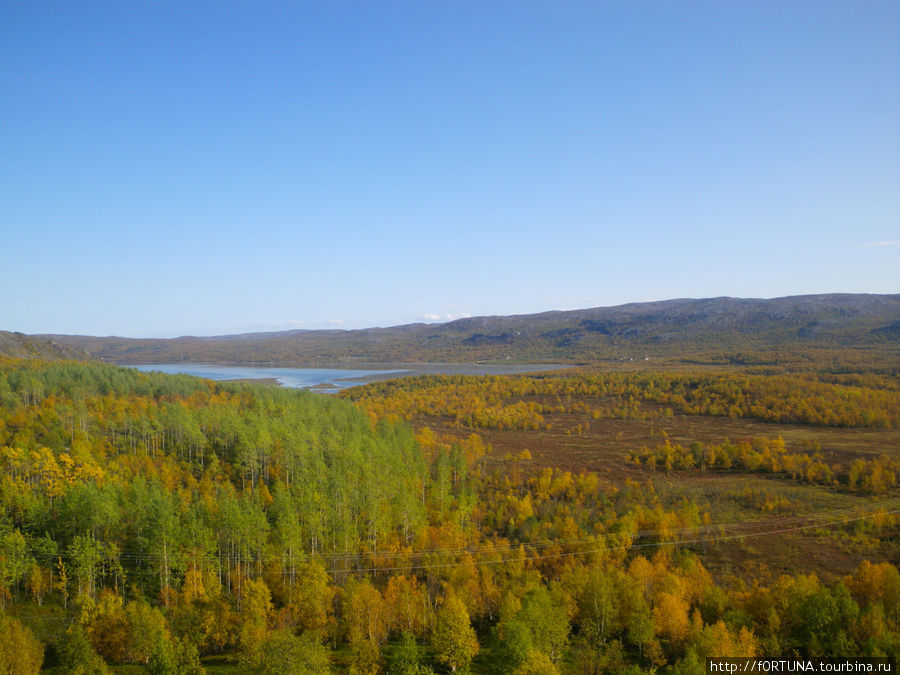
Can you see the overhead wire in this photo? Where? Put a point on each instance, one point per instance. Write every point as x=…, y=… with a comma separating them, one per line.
x=618, y=548
x=677, y=536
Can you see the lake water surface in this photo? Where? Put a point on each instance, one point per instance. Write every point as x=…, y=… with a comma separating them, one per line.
x=330, y=379
x=295, y=378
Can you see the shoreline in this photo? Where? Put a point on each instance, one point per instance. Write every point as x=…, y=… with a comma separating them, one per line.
x=416, y=369
x=358, y=374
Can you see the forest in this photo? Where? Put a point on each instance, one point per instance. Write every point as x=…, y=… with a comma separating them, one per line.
x=575, y=522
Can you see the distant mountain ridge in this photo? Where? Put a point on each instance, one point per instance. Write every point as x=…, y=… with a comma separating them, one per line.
x=663, y=328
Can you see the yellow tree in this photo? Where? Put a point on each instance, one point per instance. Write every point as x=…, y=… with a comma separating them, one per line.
x=38, y=582
x=256, y=612
x=406, y=605
x=454, y=641
x=670, y=617
x=20, y=651
x=365, y=622
x=311, y=604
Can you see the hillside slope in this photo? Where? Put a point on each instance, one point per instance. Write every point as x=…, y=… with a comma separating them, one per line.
x=21, y=346
x=716, y=328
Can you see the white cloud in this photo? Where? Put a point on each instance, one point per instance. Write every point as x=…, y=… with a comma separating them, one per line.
x=880, y=243
x=443, y=317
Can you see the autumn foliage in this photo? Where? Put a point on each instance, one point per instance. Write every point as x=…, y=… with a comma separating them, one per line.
x=161, y=520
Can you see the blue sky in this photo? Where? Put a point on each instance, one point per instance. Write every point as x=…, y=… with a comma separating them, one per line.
x=216, y=167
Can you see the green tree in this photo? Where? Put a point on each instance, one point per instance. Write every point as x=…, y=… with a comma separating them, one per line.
x=86, y=554
x=76, y=654
x=599, y=605
x=174, y=657
x=146, y=628
x=454, y=641
x=13, y=562
x=537, y=623
x=283, y=652
x=405, y=659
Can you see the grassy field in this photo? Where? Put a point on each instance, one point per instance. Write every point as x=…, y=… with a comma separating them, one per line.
x=577, y=442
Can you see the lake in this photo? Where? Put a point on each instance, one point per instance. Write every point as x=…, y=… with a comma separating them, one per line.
x=332, y=379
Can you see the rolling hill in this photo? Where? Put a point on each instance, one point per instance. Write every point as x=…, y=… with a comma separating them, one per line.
x=715, y=330
x=21, y=346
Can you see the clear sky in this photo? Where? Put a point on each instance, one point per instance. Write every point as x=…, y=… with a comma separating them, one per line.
x=212, y=167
